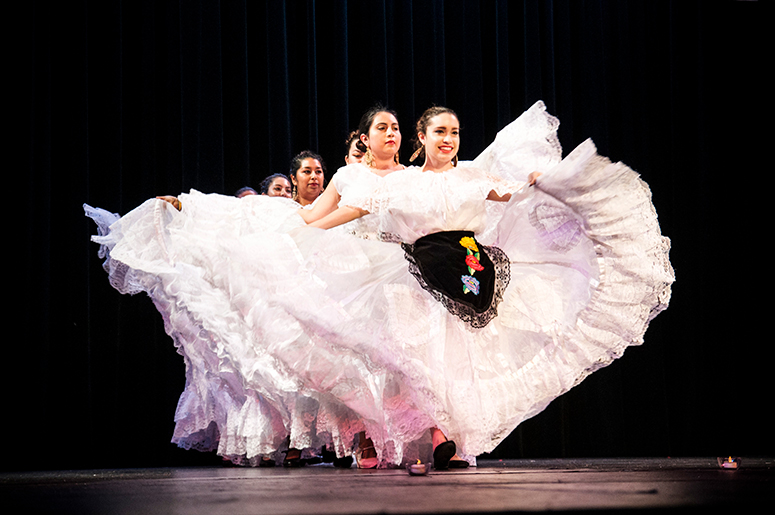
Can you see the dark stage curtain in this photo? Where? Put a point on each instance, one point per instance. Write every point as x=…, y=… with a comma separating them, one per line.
x=120, y=101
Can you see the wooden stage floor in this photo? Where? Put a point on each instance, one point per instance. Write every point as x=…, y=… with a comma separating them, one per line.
x=605, y=485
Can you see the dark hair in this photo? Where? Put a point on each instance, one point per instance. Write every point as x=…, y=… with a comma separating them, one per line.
x=301, y=156
x=422, y=125
x=353, y=136
x=264, y=186
x=244, y=189
x=367, y=119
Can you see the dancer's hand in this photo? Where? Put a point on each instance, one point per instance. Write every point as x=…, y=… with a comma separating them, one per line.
x=531, y=179
x=172, y=200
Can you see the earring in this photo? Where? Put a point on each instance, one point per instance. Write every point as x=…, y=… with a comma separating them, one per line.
x=416, y=154
x=368, y=158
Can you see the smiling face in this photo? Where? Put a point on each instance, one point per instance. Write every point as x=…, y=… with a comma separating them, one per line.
x=308, y=179
x=384, y=136
x=441, y=141
x=279, y=187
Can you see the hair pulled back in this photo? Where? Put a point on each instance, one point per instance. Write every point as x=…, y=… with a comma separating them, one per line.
x=353, y=136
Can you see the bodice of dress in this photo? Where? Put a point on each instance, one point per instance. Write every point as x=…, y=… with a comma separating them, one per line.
x=352, y=182
x=411, y=203
x=354, y=179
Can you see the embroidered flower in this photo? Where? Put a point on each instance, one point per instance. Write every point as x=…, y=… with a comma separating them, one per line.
x=469, y=243
x=470, y=284
x=473, y=263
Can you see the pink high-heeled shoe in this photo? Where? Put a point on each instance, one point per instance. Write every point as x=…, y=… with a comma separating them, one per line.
x=366, y=457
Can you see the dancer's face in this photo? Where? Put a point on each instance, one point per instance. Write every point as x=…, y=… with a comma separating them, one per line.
x=354, y=155
x=441, y=139
x=279, y=187
x=384, y=138
x=309, y=179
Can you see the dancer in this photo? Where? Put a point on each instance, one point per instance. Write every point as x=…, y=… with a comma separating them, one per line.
x=377, y=141
x=478, y=338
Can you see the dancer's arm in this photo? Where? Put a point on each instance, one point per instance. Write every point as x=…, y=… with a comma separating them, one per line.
x=531, y=180
x=342, y=215
x=324, y=205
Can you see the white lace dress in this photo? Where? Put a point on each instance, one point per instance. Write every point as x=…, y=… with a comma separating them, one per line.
x=292, y=331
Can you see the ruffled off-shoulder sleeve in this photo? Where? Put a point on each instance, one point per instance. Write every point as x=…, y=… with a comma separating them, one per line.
x=355, y=184
x=366, y=195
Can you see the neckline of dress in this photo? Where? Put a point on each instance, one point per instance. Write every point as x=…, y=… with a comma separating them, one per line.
x=434, y=172
x=375, y=171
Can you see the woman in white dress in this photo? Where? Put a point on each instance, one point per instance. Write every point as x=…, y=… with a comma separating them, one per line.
x=471, y=339
x=372, y=154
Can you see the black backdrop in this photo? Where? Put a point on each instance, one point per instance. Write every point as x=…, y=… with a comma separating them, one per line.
x=122, y=100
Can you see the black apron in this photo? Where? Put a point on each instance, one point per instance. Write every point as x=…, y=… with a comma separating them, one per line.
x=467, y=278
